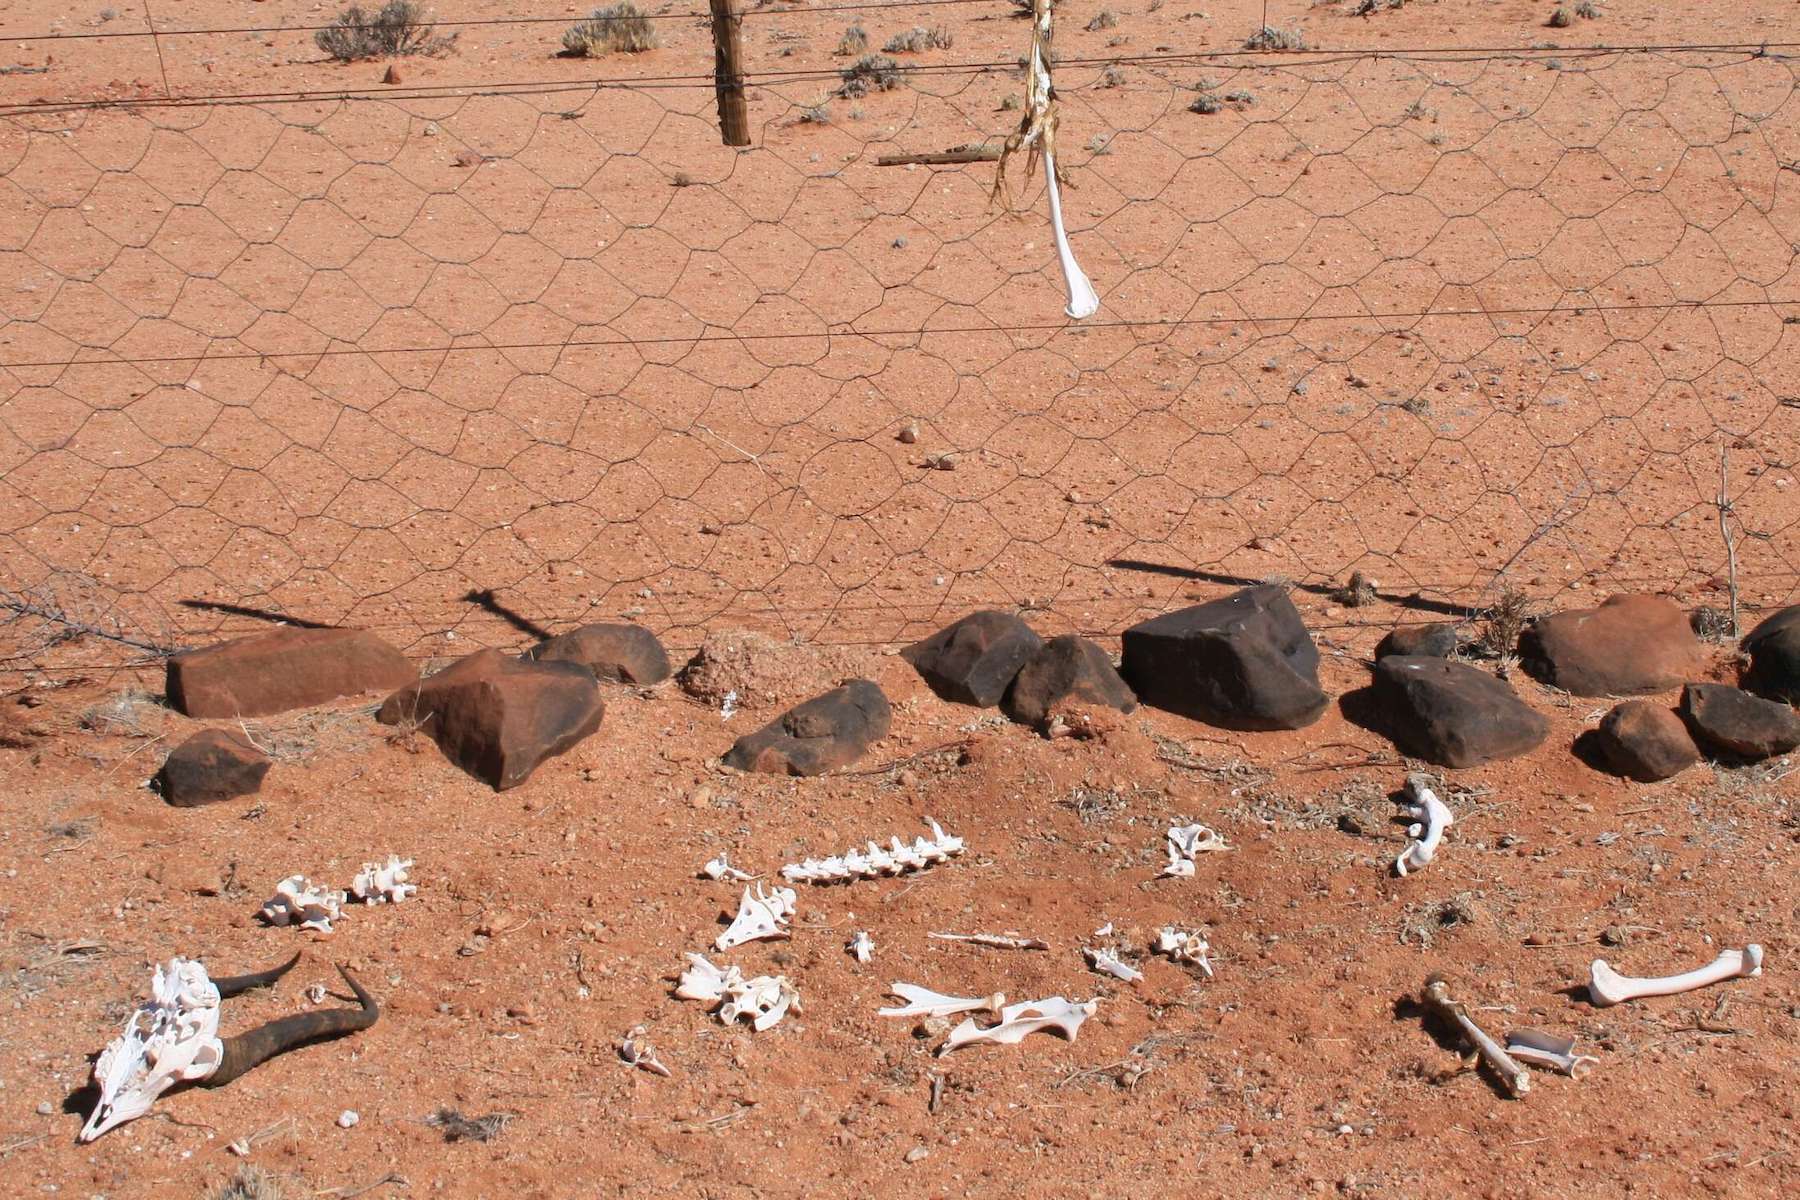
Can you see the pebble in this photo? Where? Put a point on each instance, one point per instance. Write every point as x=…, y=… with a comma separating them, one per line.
x=917, y=1154
x=348, y=1118
x=44, y=1109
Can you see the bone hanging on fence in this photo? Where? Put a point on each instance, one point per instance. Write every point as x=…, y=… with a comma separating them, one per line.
x=1037, y=136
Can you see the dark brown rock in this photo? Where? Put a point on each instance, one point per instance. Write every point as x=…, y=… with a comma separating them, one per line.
x=498, y=717
x=1774, y=649
x=1733, y=721
x=1438, y=640
x=1065, y=670
x=1453, y=714
x=283, y=669
x=615, y=653
x=1244, y=661
x=1646, y=742
x=823, y=734
x=974, y=661
x=213, y=765
x=1629, y=646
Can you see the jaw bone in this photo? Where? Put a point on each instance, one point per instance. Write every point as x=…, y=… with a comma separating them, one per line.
x=1606, y=986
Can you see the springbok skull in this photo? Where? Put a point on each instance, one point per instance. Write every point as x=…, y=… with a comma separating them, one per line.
x=173, y=1039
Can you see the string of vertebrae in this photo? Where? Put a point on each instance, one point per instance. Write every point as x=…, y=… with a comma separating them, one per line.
x=442, y=365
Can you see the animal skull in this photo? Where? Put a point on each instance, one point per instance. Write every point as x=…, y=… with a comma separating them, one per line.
x=1017, y=1021
x=923, y=1002
x=1433, y=817
x=763, y=915
x=297, y=902
x=172, y=1038
x=1606, y=986
x=384, y=883
x=894, y=859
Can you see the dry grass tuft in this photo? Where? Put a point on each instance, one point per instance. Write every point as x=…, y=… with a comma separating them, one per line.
x=617, y=28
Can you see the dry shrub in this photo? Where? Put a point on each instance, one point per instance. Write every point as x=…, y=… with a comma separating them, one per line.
x=617, y=28
x=917, y=40
x=1271, y=38
x=870, y=73
x=399, y=29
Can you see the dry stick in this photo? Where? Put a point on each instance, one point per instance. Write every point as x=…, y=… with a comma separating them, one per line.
x=728, y=73
x=27, y=608
x=349, y=1193
x=1725, y=532
x=981, y=152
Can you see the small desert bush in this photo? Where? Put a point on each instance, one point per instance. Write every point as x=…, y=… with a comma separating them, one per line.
x=854, y=42
x=1271, y=38
x=617, y=27
x=1587, y=11
x=250, y=1183
x=918, y=39
x=1103, y=20
x=398, y=29
x=870, y=73
x=1562, y=18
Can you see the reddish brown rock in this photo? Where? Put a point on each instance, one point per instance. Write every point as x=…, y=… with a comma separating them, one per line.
x=823, y=734
x=1734, y=722
x=1438, y=640
x=1646, y=742
x=1629, y=646
x=1774, y=649
x=974, y=661
x=283, y=669
x=213, y=765
x=615, y=653
x=1451, y=713
x=498, y=717
x=1066, y=670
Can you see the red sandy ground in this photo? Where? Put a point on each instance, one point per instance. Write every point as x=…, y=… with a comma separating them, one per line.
x=585, y=880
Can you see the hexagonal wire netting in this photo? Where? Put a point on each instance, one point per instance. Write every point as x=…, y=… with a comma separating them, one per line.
x=455, y=364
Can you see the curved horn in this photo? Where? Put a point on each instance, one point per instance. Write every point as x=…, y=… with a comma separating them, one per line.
x=235, y=984
x=247, y=1050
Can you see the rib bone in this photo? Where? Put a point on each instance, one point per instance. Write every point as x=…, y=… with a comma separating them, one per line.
x=1512, y=1076
x=1606, y=986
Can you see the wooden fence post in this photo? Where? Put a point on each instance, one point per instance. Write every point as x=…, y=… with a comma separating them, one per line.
x=728, y=72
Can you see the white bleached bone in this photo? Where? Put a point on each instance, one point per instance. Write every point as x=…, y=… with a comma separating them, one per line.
x=999, y=941
x=297, y=902
x=1017, y=1021
x=635, y=1050
x=923, y=1002
x=721, y=868
x=1512, y=1076
x=896, y=858
x=1108, y=963
x=862, y=946
x=1184, y=946
x=762, y=1000
x=1542, y=1049
x=172, y=1038
x=1606, y=986
x=704, y=981
x=1432, y=817
x=1183, y=843
x=762, y=915
x=384, y=883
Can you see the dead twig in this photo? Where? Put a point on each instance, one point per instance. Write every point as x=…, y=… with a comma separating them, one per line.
x=1725, y=511
x=348, y=1193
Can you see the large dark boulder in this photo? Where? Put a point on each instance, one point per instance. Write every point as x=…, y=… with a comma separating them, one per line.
x=1629, y=646
x=1733, y=721
x=1774, y=649
x=1066, y=670
x=1646, y=742
x=1451, y=713
x=1242, y=662
x=974, y=661
x=213, y=765
x=1438, y=640
x=283, y=669
x=498, y=717
x=823, y=734
x=615, y=653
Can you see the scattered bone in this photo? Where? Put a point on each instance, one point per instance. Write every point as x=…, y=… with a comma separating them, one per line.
x=1184, y=842
x=1433, y=818
x=895, y=859
x=1184, y=946
x=636, y=1051
x=862, y=946
x=297, y=902
x=763, y=915
x=1017, y=1021
x=1514, y=1078
x=728, y=705
x=378, y=883
x=1542, y=1049
x=999, y=941
x=763, y=1001
x=1105, y=930
x=923, y=1002
x=721, y=868
x=1108, y=963
x=1606, y=986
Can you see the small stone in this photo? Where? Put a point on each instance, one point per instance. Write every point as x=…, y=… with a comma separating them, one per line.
x=975, y=660
x=917, y=1154
x=1612, y=935
x=393, y=75
x=348, y=1119
x=1628, y=646
x=44, y=1109
x=825, y=733
x=909, y=433
x=1424, y=641
x=211, y=766
x=1451, y=714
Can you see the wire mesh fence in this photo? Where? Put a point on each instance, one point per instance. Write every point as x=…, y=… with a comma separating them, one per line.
x=447, y=362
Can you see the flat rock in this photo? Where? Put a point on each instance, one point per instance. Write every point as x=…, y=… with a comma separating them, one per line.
x=1438, y=640
x=1065, y=670
x=1774, y=649
x=283, y=669
x=1245, y=661
x=1646, y=742
x=212, y=765
x=823, y=734
x=498, y=717
x=1733, y=721
x=1453, y=714
x=1629, y=646
x=975, y=660
x=615, y=653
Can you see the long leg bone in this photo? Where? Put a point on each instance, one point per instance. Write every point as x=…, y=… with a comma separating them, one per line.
x=1433, y=817
x=923, y=1002
x=1083, y=300
x=1606, y=986
x=1512, y=1076
x=1542, y=1049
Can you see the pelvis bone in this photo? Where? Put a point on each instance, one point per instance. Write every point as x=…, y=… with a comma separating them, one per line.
x=173, y=1039
x=762, y=1001
x=761, y=915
